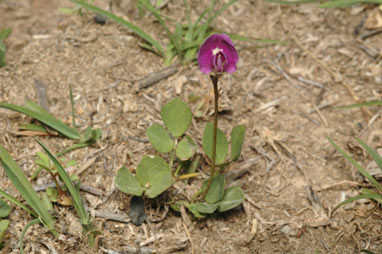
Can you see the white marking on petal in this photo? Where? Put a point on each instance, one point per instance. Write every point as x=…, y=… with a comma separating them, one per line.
x=216, y=50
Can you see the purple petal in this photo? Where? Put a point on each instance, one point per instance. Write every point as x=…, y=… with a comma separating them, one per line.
x=224, y=43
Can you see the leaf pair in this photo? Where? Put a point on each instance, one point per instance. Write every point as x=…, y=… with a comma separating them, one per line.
x=217, y=198
x=176, y=116
x=237, y=140
x=152, y=178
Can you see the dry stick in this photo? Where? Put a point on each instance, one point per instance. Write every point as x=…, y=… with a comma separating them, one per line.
x=189, y=238
x=214, y=79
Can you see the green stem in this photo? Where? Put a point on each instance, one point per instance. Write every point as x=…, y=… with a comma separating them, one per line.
x=214, y=79
x=28, y=225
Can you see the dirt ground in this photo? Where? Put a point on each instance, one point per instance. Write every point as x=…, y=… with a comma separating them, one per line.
x=284, y=94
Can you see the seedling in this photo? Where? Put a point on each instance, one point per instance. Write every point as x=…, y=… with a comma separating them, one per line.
x=185, y=40
x=37, y=207
x=90, y=231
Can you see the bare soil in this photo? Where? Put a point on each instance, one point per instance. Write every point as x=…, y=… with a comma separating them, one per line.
x=284, y=94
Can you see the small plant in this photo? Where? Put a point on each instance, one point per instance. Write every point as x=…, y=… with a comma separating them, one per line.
x=154, y=175
x=90, y=231
x=4, y=33
x=186, y=38
x=38, y=207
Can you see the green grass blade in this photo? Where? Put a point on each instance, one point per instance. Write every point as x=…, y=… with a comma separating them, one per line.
x=123, y=22
x=376, y=157
x=46, y=118
x=291, y=2
x=346, y=3
x=364, y=196
x=72, y=104
x=27, y=226
x=363, y=104
x=16, y=202
x=163, y=24
x=359, y=167
x=20, y=181
x=218, y=12
x=77, y=202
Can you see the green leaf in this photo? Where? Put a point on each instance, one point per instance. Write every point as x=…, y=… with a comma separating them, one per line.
x=237, y=140
x=43, y=116
x=221, y=144
x=376, y=157
x=3, y=228
x=359, y=167
x=292, y=2
x=127, y=183
x=123, y=22
x=203, y=207
x=359, y=105
x=21, y=183
x=176, y=116
x=33, y=127
x=4, y=33
x=154, y=174
x=52, y=194
x=159, y=138
x=233, y=197
x=346, y=3
x=216, y=190
x=46, y=200
x=16, y=202
x=5, y=209
x=186, y=148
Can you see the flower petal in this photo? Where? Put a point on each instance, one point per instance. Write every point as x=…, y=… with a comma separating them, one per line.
x=212, y=45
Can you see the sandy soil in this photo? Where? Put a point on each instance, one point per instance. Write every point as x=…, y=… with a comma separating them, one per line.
x=284, y=94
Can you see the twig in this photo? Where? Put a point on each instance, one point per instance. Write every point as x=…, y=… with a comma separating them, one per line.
x=371, y=33
x=41, y=94
x=155, y=77
x=86, y=166
x=129, y=249
x=342, y=183
x=108, y=215
x=320, y=115
x=310, y=82
x=189, y=238
x=86, y=188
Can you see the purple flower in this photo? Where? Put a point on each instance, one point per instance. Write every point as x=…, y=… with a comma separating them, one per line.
x=217, y=54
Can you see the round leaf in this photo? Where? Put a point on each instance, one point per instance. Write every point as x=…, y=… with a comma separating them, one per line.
x=237, y=140
x=233, y=197
x=216, y=190
x=159, y=138
x=186, y=148
x=5, y=209
x=127, y=183
x=154, y=174
x=176, y=116
x=221, y=144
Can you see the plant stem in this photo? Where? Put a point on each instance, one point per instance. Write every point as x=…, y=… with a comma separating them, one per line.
x=214, y=79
